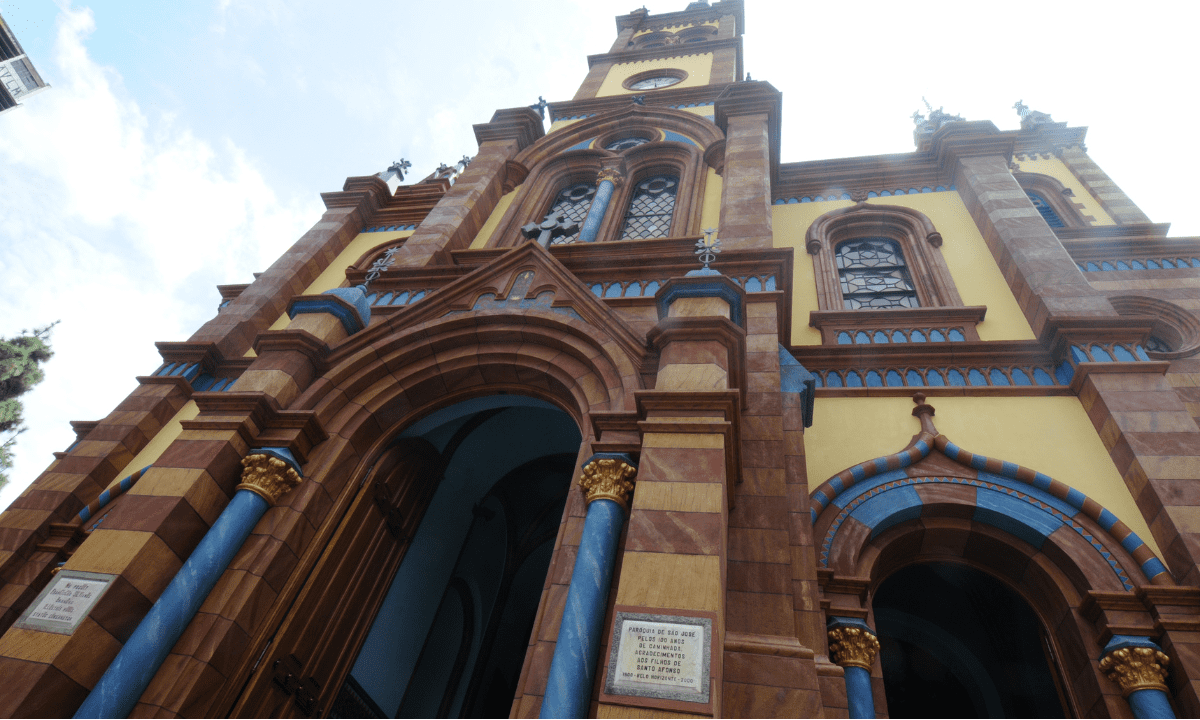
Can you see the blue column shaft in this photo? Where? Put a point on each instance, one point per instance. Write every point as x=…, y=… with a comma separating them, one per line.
x=1150, y=704
x=597, y=211
x=573, y=668
x=858, y=693
x=139, y=659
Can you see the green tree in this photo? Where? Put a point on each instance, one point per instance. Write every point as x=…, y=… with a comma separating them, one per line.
x=20, y=369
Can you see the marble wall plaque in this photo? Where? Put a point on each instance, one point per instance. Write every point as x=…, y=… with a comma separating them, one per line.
x=65, y=602
x=660, y=656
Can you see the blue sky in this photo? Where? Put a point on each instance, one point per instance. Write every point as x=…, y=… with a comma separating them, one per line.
x=185, y=145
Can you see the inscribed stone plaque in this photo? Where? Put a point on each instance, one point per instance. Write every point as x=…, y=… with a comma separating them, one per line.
x=65, y=602
x=660, y=656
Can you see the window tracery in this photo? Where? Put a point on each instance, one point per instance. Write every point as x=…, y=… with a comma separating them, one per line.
x=573, y=201
x=873, y=274
x=651, y=208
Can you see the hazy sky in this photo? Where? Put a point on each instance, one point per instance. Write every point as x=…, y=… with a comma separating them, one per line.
x=184, y=145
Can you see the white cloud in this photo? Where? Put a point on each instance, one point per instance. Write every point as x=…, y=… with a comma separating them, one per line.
x=113, y=219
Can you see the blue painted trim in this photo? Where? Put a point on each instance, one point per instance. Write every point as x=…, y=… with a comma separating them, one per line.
x=283, y=454
x=348, y=305
x=676, y=137
x=1120, y=642
x=623, y=457
x=130, y=673
x=1015, y=517
x=573, y=667
x=794, y=378
x=678, y=290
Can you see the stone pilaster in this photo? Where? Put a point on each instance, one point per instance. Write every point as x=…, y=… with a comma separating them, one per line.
x=1045, y=280
x=1099, y=184
x=749, y=115
x=456, y=219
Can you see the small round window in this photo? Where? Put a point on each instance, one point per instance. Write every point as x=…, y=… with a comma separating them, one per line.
x=626, y=143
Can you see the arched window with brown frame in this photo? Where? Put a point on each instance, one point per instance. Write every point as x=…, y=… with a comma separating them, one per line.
x=879, y=256
x=1053, y=200
x=660, y=194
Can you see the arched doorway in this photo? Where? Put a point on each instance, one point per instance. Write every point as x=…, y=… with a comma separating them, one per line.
x=957, y=642
x=450, y=636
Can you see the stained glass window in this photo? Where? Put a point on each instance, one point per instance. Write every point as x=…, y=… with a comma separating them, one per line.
x=651, y=208
x=627, y=143
x=1052, y=219
x=573, y=202
x=873, y=275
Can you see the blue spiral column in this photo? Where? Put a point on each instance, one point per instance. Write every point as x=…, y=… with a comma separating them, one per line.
x=608, y=483
x=853, y=646
x=606, y=182
x=1139, y=667
x=266, y=476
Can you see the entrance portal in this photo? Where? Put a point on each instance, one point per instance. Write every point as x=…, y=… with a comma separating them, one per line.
x=957, y=642
x=451, y=635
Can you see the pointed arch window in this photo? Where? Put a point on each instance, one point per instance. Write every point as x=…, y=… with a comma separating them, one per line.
x=1046, y=210
x=873, y=274
x=573, y=201
x=651, y=207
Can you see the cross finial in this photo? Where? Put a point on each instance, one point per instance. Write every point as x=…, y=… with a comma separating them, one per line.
x=554, y=225
x=397, y=168
x=466, y=161
x=708, y=247
x=540, y=106
x=1021, y=108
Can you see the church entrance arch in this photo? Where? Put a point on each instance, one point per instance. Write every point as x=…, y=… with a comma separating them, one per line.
x=957, y=642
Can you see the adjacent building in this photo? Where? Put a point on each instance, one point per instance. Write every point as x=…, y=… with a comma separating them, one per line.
x=636, y=418
x=18, y=77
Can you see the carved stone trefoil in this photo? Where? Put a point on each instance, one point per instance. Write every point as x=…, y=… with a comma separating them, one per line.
x=608, y=479
x=853, y=647
x=1136, y=668
x=267, y=476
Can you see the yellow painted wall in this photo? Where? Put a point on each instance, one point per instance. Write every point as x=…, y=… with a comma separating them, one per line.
x=560, y=124
x=1052, y=435
x=159, y=443
x=698, y=67
x=675, y=28
x=976, y=275
x=335, y=274
x=1060, y=172
x=790, y=223
x=489, y=227
x=710, y=215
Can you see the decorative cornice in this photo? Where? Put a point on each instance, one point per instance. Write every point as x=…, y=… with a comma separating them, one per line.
x=1136, y=668
x=366, y=194
x=609, y=476
x=268, y=476
x=622, y=57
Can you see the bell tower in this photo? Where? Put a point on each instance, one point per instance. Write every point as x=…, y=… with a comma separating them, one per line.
x=699, y=47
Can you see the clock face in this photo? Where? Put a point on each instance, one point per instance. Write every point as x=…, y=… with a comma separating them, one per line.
x=654, y=82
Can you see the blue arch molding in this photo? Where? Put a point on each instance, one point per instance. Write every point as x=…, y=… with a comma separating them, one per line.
x=1022, y=502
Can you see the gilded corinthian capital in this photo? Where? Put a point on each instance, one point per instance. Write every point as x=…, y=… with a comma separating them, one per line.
x=267, y=476
x=853, y=647
x=610, y=175
x=609, y=479
x=1136, y=668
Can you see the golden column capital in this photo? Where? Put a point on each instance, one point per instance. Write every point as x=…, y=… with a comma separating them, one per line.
x=608, y=478
x=611, y=175
x=1136, y=668
x=853, y=647
x=267, y=476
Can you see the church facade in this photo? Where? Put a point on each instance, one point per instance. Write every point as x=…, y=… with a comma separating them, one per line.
x=631, y=418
